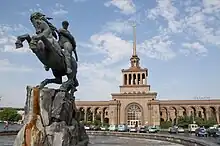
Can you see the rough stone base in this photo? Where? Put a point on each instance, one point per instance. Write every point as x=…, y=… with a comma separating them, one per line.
x=50, y=120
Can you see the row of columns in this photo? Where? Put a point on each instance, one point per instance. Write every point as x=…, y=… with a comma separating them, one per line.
x=134, y=79
x=93, y=116
x=172, y=115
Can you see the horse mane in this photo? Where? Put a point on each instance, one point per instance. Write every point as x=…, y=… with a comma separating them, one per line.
x=41, y=16
x=52, y=27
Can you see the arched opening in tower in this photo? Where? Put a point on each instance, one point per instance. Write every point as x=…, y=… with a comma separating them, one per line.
x=134, y=79
x=129, y=79
x=125, y=79
x=143, y=78
x=139, y=79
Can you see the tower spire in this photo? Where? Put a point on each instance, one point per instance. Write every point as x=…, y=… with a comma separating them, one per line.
x=134, y=40
x=134, y=58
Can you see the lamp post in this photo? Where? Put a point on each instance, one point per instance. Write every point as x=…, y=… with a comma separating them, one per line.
x=194, y=118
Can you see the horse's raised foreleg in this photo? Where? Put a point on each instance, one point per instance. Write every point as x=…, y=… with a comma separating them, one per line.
x=21, y=39
x=57, y=80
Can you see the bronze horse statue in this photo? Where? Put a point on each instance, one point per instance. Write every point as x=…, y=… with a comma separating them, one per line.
x=45, y=46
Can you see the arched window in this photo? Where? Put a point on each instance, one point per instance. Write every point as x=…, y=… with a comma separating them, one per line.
x=134, y=115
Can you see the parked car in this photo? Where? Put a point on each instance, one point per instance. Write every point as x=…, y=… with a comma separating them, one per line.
x=113, y=128
x=96, y=128
x=143, y=129
x=133, y=129
x=152, y=130
x=212, y=131
x=92, y=127
x=180, y=130
x=216, y=126
x=123, y=128
x=218, y=133
x=173, y=130
x=201, y=132
x=104, y=128
x=87, y=127
x=192, y=128
x=218, y=140
x=158, y=128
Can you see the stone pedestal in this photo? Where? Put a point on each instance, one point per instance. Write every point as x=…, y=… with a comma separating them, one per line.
x=51, y=119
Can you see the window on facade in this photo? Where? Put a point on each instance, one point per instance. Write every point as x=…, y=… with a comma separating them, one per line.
x=134, y=115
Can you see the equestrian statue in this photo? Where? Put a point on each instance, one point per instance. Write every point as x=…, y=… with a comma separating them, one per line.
x=54, y=54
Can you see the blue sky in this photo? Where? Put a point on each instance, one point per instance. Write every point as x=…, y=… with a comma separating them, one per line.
x=178, y=41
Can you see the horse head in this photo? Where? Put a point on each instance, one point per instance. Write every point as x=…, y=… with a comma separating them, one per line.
x=35, y=19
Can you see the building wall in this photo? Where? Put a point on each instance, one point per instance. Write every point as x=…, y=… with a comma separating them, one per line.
x=154, y=111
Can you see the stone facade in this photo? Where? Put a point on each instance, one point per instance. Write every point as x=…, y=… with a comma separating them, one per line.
x=136, y=104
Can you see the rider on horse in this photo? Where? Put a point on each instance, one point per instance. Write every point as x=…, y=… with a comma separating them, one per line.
x=67, y=42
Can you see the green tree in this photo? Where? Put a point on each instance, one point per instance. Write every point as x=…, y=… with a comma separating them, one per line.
x=96, y=122
x=185, y=121
x=165, y=124
x=9, y=114
x=204, y=122
x=17, y=117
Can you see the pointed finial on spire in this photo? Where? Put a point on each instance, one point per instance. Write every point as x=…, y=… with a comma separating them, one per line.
x=134, y=39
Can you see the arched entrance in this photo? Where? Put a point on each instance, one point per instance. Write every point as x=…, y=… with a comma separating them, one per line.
x=134, y=115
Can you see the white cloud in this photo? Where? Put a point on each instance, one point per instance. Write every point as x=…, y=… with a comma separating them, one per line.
x=6, y=66
x=201, y=23
x=158, y=47
x=98, y=81
x=211, y=6
x=195, y=47
x=126, y=6
x=7, y=39
x=118, y=26
x=59, y=10
x=169, y=12
x=111, y=45
x=195, y=20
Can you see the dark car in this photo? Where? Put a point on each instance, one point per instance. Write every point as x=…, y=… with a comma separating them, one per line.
x=173, y=130
x=201, y=132
x=218, y=133
x=212, y=132
x=143, y=129
x=96, y=128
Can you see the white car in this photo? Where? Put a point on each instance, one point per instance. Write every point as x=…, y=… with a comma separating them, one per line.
x=192, y=128
x=104, y=128
x=87, y=127
x=152, y=130
x=180, y=130
x=133, y=129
